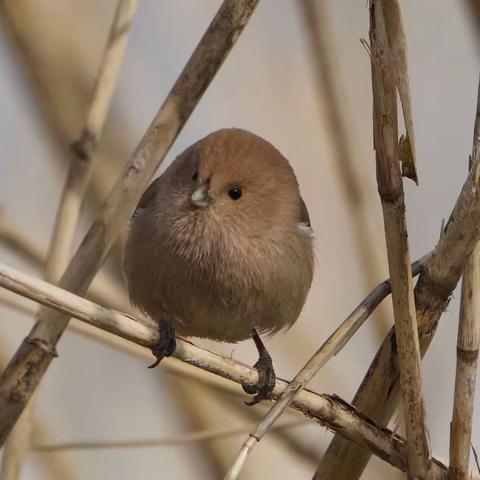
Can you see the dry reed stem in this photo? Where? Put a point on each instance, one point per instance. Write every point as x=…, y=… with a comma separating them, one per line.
x=71, y=200
x=390, y=188
x=32, y=359
x=331, y=347
x=398, y=62
x=329, y=410
x=315, y=17
x=178, y=370
x=83, y=149
x=467, y=349
x=377, y=396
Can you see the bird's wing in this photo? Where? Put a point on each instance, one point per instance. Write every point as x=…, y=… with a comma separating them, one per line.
x=147, y=197
x=304, y=220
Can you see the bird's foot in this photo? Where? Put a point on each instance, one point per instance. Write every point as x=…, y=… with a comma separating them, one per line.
x=266, y=381
x=166, y=345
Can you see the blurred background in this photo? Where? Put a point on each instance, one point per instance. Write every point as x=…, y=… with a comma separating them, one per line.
x=269, y=84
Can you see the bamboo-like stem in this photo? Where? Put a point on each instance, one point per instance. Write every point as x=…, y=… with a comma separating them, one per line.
x=83, y=149
x=390, y=187
x=467, y=349
x=32, y=359
x=377, y=396
x=353, y=186
x=331, y=347
x=71, y=201
x=327, y=409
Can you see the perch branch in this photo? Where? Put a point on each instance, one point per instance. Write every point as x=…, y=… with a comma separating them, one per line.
x=33, y=357
x=390, y=188
x=377, y=396
x=467, y=349
x=331, y=347
x=329, y=410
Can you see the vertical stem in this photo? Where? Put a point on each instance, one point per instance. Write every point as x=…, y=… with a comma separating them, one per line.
x=390, y=188
x=467, y=350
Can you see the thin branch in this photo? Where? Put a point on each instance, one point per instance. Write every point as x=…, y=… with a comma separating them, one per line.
x=33, y=357
x=467, y=349
x=390, y=188
x=378, y=396
x=83, y=149
x=192, y=437
x=178, y=371
x=327, y=409
x=353, y=179
x=331, y=347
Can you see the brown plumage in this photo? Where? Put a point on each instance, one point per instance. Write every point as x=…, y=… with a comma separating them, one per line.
x=220, y=244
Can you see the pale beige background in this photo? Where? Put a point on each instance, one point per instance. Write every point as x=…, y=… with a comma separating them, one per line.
x=266, y=86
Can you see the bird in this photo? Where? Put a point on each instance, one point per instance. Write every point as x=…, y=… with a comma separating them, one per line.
x=220, y=246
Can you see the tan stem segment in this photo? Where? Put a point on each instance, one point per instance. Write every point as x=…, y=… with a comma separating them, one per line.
x=467, y=349
x=378, y=396
x=71, y=200
x=32, y=359
x=329, y=410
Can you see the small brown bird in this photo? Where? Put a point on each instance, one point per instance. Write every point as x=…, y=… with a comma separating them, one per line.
x=220, y=247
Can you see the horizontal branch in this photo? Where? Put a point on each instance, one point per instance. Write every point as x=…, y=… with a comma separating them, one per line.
x=191, y=437
x=329, y=410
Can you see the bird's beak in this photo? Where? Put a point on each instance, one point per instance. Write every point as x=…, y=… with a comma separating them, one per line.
x=200, y=196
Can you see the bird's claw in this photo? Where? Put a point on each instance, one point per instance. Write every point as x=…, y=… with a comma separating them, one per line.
x=265, y=384
x=166, y=345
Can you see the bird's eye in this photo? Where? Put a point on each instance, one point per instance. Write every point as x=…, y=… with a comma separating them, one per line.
x=235, y=193
x=195, y=175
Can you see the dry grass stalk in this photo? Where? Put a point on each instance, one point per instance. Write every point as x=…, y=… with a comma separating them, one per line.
x=191, y=437
x=467, y=350
x=329, y=410
x=378, y=396
x=83, y=149
x=331, y=347
x=390, y=188
x=32, y=359
x=72, y=198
